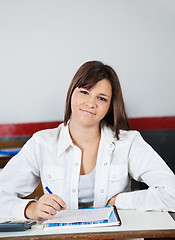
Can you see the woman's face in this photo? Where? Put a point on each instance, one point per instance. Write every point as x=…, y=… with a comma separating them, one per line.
x=89, y=107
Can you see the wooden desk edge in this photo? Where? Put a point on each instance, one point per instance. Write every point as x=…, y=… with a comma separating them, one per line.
x=103, y=235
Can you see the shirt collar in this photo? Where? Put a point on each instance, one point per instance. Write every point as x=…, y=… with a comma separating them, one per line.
x=65, y=140
x=108, y=138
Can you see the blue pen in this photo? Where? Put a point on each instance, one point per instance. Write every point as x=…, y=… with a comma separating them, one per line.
x=49, y=191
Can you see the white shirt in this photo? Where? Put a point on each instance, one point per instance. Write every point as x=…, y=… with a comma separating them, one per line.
x=51, y=156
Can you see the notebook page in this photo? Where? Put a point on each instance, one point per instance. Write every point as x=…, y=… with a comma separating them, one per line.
x=81, y=215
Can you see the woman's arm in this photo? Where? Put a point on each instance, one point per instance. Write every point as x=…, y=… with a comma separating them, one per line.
x=18, y=179
x=147, y=166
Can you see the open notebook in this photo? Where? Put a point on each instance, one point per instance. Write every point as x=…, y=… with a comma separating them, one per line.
x=86, y=217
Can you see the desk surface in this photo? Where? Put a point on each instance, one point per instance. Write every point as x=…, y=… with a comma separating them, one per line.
x=135, y=224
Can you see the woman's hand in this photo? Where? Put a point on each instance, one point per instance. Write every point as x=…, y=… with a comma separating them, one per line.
x=111, y=201
x=45, y=207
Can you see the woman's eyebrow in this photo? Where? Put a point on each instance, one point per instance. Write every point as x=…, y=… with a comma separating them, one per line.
x=104, y=95
x=83, y=88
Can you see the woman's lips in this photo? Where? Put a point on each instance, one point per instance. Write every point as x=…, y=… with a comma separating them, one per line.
x=88, y=112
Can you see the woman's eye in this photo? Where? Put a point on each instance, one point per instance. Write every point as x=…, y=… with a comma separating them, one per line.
x=83, y=92
x=102, y=99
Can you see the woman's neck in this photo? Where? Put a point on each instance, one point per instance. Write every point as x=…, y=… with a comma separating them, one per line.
x=82, y=135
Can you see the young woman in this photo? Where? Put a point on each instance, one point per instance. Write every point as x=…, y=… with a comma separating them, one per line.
x=88, y=160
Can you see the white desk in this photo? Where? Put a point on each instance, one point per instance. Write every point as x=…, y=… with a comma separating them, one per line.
x=135, y=224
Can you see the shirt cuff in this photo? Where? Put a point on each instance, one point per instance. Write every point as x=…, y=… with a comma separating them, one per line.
x=125, y=200
x=19, y=212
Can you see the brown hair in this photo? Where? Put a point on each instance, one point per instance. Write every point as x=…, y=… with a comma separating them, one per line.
x=87, y=76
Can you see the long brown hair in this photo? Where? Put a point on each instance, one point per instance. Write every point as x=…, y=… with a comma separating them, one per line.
x=87, y=76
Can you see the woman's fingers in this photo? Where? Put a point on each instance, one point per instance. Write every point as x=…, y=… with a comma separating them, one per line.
x=44, y=215
x=48, y=209
x=45, y=207
x=59, y=201
x=53, y=201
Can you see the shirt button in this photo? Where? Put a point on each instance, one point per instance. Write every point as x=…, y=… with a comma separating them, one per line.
x=102, y=190
x=105, y=164
x=49, y=176
x=74, y=190
x=112, y=146
x=76, y=164
x=113, y=176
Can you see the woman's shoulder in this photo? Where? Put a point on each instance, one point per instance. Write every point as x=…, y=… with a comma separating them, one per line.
x=123, y=134
x=47, y=134
x=128, y=134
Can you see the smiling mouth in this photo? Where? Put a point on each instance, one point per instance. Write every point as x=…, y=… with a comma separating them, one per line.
x=88, y=112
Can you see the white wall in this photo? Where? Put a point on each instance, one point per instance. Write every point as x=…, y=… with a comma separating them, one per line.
x=44, y=42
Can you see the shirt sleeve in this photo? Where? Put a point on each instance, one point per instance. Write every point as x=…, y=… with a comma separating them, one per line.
x=18, y=179
x=147, y=166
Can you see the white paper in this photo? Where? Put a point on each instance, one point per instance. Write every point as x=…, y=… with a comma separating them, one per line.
x=81, y=215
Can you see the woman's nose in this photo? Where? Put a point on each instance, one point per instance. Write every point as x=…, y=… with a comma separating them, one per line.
x=91, y=102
